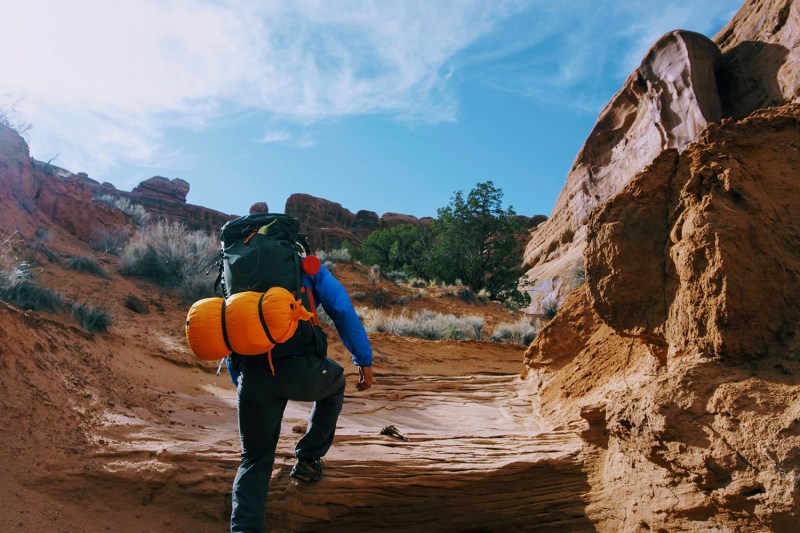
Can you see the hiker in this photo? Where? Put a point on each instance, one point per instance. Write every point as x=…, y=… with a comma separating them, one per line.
x=264, y=387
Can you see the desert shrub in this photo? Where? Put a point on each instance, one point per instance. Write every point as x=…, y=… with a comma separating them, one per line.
x=483, y=295
x=341, y=254
x=428, y=325
x=380, y=299
x=396, y=276
x=520, y=332
x=451, y=290
x=403, y=300
x=109, y=241
x=374, y=274
x=549, y=308
x=466, y=294
x=81, y=263
x=43, y=234
x=91, y=318
x=41, y=248
x=358, y=296
x=137, y=212
x=172, y=256
x=417, y=282
x=577, y=274
x=29, y=295
x=17, y=285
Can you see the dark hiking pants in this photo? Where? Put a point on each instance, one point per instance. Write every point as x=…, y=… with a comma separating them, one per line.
x=262, y=399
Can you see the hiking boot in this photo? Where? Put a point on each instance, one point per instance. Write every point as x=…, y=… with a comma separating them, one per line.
x=307, y=469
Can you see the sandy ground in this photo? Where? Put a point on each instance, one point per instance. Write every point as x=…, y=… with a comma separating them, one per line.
x=127, y=431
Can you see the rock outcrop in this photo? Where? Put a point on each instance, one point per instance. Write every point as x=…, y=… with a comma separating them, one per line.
x=329, y=225
x=760, y=66
x=33, y=199
x=681, y=353
x=161, y=188
x=165, y=198
x=685, y=82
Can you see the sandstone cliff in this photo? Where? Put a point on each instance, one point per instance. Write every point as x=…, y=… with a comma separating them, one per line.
x=682, y=350
x=685, y=82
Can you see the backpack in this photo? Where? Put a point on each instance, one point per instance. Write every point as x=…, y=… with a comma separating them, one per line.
x=262, y=251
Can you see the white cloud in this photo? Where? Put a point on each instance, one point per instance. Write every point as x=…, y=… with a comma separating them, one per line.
x=102, y=81
x=274, y=137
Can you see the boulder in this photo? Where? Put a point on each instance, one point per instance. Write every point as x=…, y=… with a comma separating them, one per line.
x=161, y=188
x=666, y=103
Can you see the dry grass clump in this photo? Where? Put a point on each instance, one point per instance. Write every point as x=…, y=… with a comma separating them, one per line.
x=137, y=212
x=428, y=325
x=520, y=332
x=91, y=318
x=173, y=257
x=17, y=285
x=81, y=263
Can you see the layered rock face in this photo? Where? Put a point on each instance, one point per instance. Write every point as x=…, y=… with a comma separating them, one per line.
x=329, y=225
x=681, y=353
x=32, y=199
x=685, y=82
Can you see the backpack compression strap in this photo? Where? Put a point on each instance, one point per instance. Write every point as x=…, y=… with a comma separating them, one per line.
x=225, y=329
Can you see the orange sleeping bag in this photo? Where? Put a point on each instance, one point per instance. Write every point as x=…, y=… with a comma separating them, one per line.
x=216, y=327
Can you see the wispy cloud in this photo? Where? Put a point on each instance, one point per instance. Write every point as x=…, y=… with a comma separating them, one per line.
x=577, y=55
x=274, y=137
x=102, y=81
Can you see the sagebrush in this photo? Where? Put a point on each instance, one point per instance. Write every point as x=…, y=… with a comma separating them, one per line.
x=173, y=257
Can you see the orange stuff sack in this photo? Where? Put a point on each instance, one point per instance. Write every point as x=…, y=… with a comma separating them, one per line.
x=204, y=329
x=244, y=326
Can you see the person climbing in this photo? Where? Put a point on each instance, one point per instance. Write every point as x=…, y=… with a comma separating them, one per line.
x=264, y=386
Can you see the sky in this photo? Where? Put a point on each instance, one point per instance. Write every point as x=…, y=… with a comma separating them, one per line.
x=388, y=106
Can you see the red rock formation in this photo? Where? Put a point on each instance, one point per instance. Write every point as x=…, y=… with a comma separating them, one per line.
x=164, y=198
x=161, y=188
x=685, y=82
x=35, y=199
x=682, y=351
x=329, y=225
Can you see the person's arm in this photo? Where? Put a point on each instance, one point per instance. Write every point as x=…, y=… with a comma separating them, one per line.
x=336, y=302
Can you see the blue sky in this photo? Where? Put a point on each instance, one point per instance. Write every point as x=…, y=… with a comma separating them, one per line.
x=383, y=105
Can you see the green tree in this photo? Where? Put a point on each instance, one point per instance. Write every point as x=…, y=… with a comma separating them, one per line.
x=478, y=242
x=405, y=247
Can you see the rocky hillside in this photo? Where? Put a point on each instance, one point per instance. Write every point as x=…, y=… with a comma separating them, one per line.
x=682, y=352
x=685, y=82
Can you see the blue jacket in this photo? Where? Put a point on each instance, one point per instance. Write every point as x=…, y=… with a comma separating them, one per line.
x=327, y=291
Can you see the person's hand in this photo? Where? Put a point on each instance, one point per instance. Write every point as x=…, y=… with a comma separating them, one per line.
x=364, y=378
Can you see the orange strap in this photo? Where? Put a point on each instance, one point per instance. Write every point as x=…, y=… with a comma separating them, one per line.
x=314, y=317
x=250, y=237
